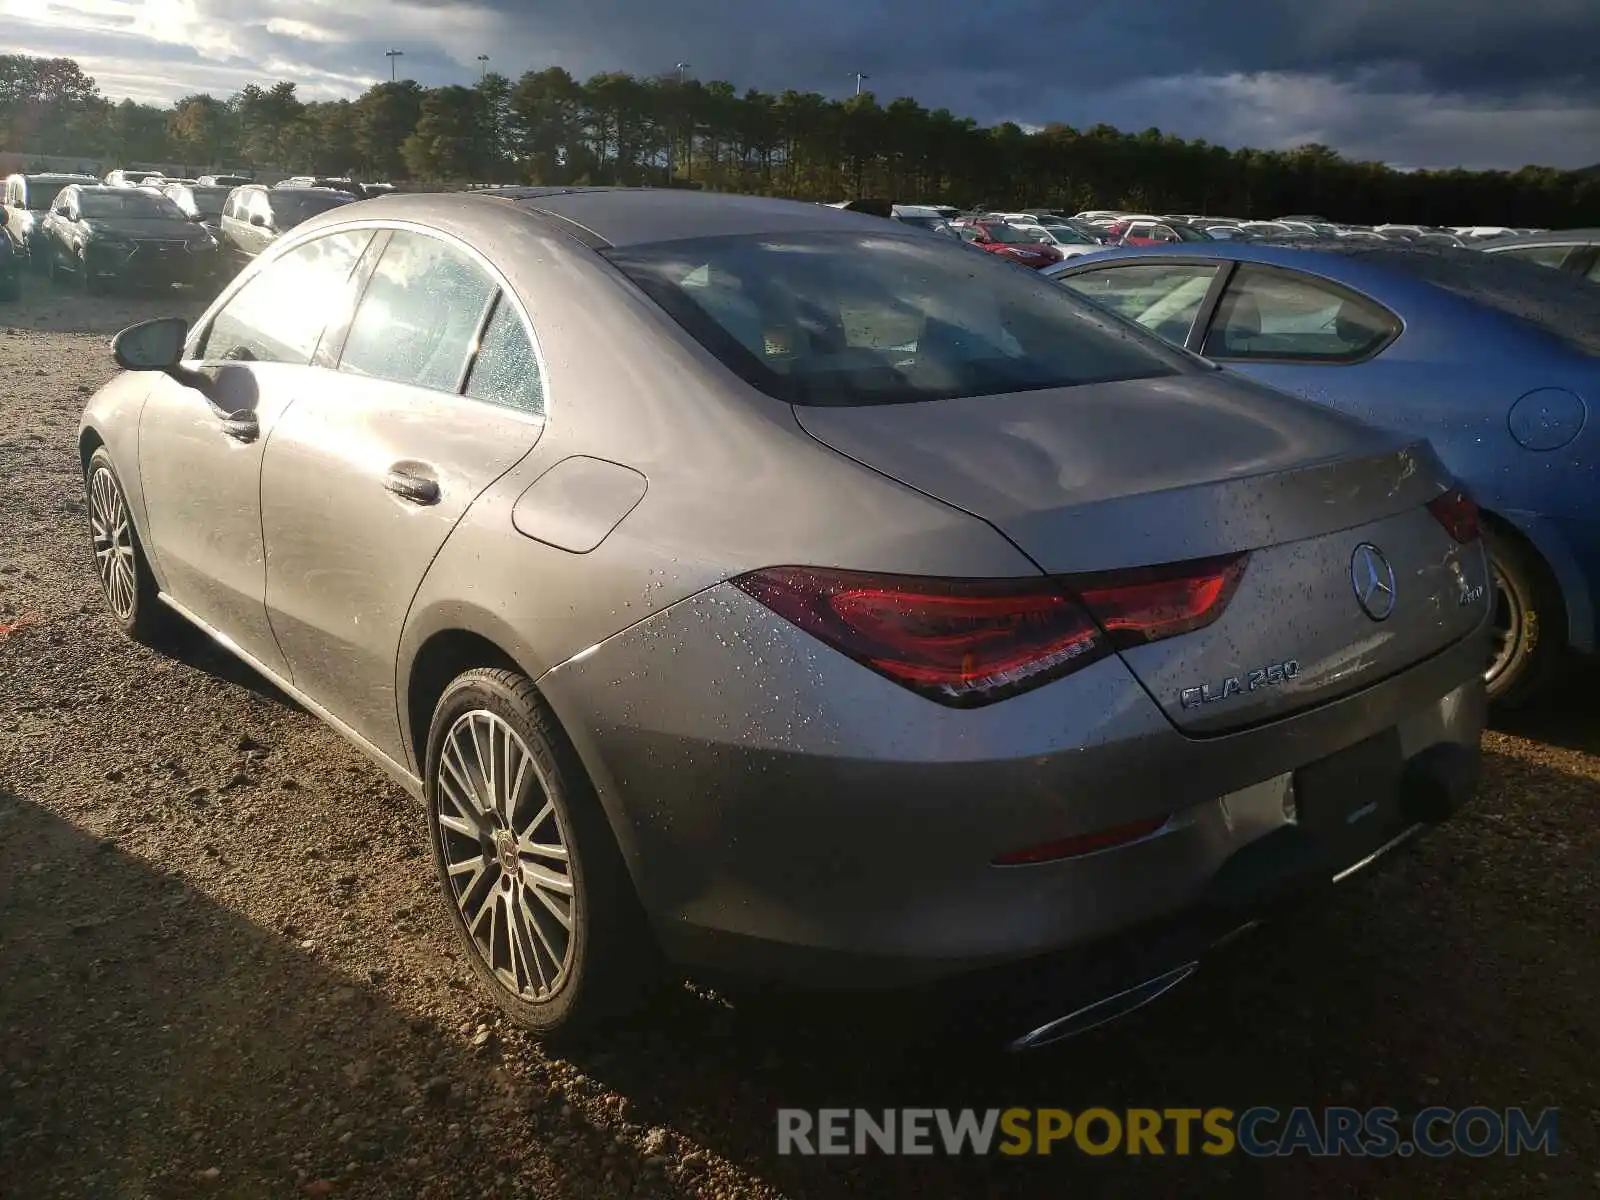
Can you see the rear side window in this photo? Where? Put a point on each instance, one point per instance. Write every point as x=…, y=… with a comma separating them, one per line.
x=861, y=319
x=1276, y=314
x=279, y=315
x=505, y=371
x=419, y=314
x=1545, y=256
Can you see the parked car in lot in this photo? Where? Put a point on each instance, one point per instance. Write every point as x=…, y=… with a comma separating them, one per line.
x=102, y=235
x=11, y=261
x=1007, y=241
x=27, y=197
x=1496, y=362
x=1152, y=233
x=330, y=183
x=827, y=604
x=224, y=181
x=253, y=217
x=1575, y=251
x=200, y=203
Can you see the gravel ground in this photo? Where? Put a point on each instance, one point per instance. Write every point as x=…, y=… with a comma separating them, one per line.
x=224, y=968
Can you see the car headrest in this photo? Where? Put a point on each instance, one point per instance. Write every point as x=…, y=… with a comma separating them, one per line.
x=1241, y=317
x=1351, y=327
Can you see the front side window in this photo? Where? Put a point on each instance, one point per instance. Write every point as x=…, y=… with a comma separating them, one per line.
x=419, y=314
x=1285, y=315
x=1164, y=297
x=862, y=319
x=279, y=315
x=505, y=371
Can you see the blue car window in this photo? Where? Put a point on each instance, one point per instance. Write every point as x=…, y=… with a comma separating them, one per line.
x=1163, y=297
x=1284, y=315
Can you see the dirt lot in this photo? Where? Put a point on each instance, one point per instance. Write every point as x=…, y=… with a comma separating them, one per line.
x=224, y=969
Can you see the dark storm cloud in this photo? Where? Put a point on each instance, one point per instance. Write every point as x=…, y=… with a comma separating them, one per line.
x=1425, y=82
x=1479, y=47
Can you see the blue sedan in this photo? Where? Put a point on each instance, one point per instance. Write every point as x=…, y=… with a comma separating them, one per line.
x=1497, y=362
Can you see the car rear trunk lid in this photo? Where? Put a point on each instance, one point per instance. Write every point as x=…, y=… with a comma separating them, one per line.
x=1111, y=476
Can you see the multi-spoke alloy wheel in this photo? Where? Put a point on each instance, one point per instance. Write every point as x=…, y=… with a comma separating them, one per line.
x=538, y=890
x=1505, y=639
x=1528, y=626
x=119, y=560
x=505, y=851
x=113, y=543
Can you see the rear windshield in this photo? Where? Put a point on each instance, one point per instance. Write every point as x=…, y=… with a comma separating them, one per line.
x=1557, y=303
x=208, y=201
x=42, y=193
x=862, y=319
x=291, y=206
x=125, y=202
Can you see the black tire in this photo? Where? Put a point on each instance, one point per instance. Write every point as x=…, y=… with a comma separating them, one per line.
x=11, y=286
x=1530, y=621
x=144, y=618
x=93, y=285
x=611, y=961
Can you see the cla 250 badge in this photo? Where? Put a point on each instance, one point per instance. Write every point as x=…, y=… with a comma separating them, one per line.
x=1238, y=685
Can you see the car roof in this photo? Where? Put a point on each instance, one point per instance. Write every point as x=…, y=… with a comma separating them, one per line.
x=604, y=216
x=1552, y=237
x=53, y=176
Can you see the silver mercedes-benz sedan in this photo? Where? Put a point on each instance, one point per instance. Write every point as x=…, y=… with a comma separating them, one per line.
x=753, y=586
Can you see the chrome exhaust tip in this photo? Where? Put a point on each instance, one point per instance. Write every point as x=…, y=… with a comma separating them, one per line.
x=1102, y=1011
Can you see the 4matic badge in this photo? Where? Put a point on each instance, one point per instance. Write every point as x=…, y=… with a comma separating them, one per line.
x=1238, y=685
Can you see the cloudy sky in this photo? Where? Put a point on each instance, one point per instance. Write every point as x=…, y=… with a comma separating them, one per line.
x=1476, y=83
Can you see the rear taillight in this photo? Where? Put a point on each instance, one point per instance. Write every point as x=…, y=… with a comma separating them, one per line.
x=970, y=642
x=1148, y=604
x=1458, y=513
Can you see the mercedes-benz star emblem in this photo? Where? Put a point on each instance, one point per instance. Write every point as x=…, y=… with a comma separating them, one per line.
x=1373, y=579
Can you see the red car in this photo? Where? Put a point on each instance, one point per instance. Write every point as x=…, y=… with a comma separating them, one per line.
x=1009, y=242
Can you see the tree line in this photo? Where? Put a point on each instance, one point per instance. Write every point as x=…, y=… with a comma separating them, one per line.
x=549, y=128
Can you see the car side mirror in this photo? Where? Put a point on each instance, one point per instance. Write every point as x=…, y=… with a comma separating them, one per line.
x=259, y=221
x=151, y=345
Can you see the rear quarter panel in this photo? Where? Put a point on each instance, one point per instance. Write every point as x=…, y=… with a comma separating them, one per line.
x=732, y=482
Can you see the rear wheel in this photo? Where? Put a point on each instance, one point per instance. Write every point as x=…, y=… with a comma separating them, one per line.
x=538, y=893
x=11, y=285
x=1529, y=621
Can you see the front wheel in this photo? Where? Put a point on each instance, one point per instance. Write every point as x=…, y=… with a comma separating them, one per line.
x=537, y=890
x=125, y=576
x=1529, y=622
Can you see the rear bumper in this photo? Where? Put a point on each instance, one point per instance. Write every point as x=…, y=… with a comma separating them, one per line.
x=789, y=815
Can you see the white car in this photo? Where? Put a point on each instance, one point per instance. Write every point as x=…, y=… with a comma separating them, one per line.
x=1067, y=242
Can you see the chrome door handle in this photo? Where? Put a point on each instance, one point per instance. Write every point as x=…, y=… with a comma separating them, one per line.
x=418, y=489
x=241, y=427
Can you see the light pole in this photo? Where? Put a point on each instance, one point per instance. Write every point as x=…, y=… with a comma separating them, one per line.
x=393, y=55
x=859, y=78
x=483, y=67
x=683, y=69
